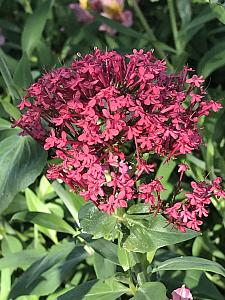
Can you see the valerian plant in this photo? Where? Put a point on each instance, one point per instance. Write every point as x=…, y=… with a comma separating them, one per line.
x=109, y=119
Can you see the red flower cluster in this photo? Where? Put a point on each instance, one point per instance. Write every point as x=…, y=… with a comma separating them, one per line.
x=189, y=213
x=105, y=113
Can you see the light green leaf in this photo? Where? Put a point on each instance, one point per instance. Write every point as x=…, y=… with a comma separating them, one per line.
x=96, y=222
x=20, y=259
x=103, y=267
x=45, y=189
x=150, y=233
x=36, y=205
x=219, y=11
x=35, y=25
x=72, y=201
x=10, y=244
x=165, y=170
x=190, y=263
x=11, y=109
x=151, y=291
x=22, y=160
x=45, y=220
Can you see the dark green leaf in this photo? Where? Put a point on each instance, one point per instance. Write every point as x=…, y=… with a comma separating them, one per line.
x=35, y=25
x=93, y=290
x=22, y=160
x=212, y=60
x=46, y=274
x=22, y=76
x=8, y=78
x=106, y=249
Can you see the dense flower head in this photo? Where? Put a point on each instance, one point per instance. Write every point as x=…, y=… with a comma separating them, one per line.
x=103, y=115
x=111, y=9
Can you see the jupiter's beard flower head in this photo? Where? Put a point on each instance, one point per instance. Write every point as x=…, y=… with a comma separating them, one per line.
x=107, y=115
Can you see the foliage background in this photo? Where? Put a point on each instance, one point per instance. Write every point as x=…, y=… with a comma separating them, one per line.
x=38, y=256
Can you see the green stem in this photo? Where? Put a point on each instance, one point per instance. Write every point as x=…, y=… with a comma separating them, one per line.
x=35, y=236
x=173, y=22
x=151, y=35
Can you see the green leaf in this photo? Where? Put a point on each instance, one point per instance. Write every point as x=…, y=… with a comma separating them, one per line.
x=46, y=220
x=188, y=31
x=103, y=267
x=35, y=25
x=47, y=57
x=45, y=189
x=20, y=259
x=10, y=61
x=47, y=273
x=36, y=205
x=150, y=233
x=6, y=130
x=97, y=223
x=11, y=109
x=218, y=10
x=165, y=170
x=22, y=160
x=22, y=76
x=10, y=244
x=106, y=249
x=72, y=201
x=190, y=263
x=212, y=60
x=151, y=291
x=184, y=11
x=8, y=78
x=126, y=258
x=93, y=290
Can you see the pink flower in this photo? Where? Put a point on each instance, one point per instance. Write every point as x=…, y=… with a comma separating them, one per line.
x=82, y=15
x=195, y=80
x=111, y=9
x=2, y=38
x=182, y=293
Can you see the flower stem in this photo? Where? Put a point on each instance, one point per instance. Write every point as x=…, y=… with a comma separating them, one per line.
x=151, y=35
x=173, y=22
